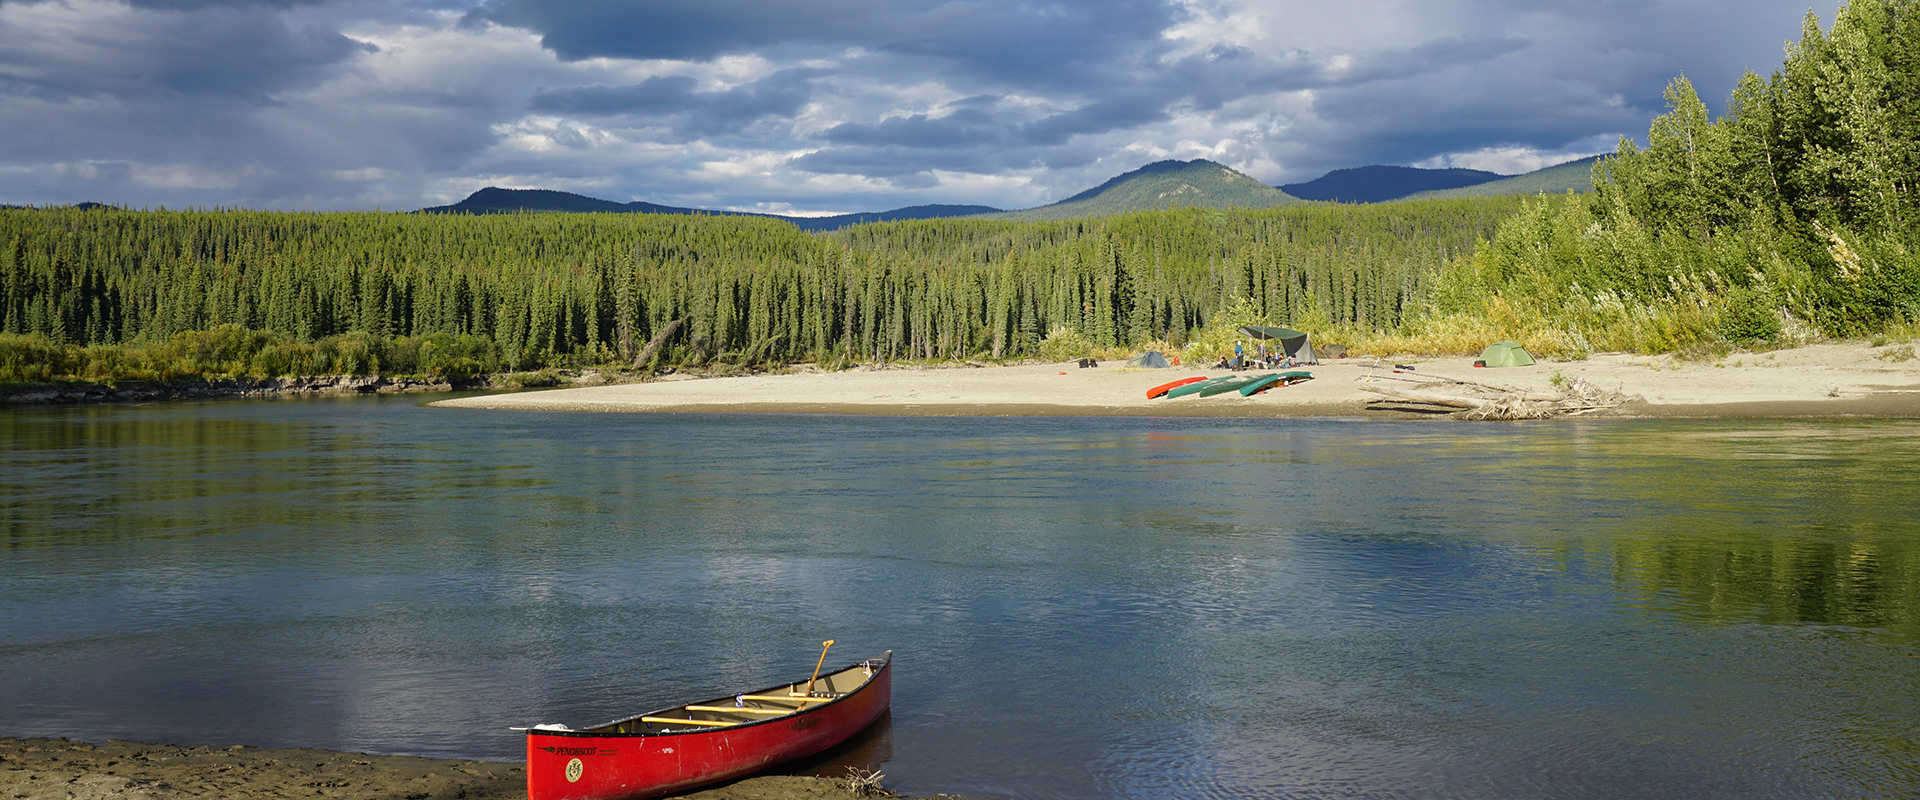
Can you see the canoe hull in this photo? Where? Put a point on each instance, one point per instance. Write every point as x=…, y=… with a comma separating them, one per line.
x=1225, y=385
x=1191, y=388
x=1270, y=381
x=590, y=765
x=1162, y=389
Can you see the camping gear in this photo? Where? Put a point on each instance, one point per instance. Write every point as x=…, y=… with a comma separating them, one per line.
x=672, y=750
x=1162, y=389
x=1293, y=344
x=1504, y=354
x=1227, y=385
x=1193, y=388
x=1266, y=382
x=1151, y=359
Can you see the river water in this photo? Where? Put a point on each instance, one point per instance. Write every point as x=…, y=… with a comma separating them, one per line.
x=1078, y=607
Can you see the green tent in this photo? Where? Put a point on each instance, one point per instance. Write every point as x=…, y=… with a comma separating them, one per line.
x=1294, y=344
x=1151, y=358
x=1504, y=354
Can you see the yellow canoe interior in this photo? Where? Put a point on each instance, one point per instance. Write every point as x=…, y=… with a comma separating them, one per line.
x=757, y=706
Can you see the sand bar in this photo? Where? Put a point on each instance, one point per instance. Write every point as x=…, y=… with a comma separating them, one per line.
x=1826, y=380
x=65, y=769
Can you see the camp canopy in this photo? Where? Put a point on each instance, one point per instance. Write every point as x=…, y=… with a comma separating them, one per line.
x=1505, y=354
x=1294, y=344
x=1151, y=358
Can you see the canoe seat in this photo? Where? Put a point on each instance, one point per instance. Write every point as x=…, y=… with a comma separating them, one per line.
x=818, y=697
x=673, y=721
x=743, y=710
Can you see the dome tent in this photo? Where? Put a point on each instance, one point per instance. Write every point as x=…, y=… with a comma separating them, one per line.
x=1151, y=358
x=1504, y=354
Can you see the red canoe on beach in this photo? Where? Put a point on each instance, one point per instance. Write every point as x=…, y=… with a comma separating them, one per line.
x=1166, y=387
x=672, y=750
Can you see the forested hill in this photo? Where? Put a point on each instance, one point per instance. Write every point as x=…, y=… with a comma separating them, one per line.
x=1378, y=183
x=494, y=200
x=1154, y=187
x=1163, y=185
x=1573, y=176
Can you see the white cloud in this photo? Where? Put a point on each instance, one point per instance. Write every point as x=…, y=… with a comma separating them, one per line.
x=360, y=103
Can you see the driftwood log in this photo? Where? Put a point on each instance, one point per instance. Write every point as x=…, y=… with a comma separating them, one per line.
x=659, y=339
x=1430, y=398
x=1578, y=398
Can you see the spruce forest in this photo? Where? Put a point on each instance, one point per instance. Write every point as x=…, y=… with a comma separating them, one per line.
x=240, y=293
x=1792, y=216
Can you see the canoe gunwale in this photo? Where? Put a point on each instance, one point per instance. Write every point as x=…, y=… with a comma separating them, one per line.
x=878, y=664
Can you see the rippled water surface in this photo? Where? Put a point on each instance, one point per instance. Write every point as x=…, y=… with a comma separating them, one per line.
x=1080, y=608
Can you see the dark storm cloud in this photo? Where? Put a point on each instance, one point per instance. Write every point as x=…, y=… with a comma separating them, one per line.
x=1031, y=42
x=678, y=100
x=977, y=125
x=733, y=103
x=238, y=53
x=896, y=163
x=690, y=29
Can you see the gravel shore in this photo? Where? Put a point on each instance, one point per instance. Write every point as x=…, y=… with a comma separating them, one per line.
x=63, y=769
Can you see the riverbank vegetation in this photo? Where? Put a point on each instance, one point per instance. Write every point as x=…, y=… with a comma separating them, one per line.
x=102, y=293
x=1791, y=217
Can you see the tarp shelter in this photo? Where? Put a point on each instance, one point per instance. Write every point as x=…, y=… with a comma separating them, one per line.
x=1293, y=344
x=1151, y=358
x=1505, y=354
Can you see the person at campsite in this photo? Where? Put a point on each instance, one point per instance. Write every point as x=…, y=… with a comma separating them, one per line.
x=1238, y=355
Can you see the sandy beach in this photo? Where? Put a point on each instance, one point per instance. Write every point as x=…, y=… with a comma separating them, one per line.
x=63, y=769
x=1826, y=380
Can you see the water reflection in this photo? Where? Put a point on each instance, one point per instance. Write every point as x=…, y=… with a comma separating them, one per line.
x=1079, y=608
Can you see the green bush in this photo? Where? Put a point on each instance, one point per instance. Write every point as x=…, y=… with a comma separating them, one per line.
x=285, y=359
x=457, y=358
x=1749, y=317
x=222, y=350
x=351, y=353
x=1064, y=343
x=31, y=358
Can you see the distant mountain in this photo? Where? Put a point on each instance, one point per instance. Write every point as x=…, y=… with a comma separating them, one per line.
x=493, y=200
x=86, y=206
x=1572, y=176
x=935, y=211
x=1379, y=183
x=1161, y=185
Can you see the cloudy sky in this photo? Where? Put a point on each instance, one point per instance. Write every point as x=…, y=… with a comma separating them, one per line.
x=821, y=106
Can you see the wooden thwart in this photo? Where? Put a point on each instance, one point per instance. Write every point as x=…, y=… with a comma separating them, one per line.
x=788, y=698
x=743, y=710
x=672, y=721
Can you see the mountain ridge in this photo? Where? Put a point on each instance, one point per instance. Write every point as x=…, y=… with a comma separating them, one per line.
x=1380, y=183
x=496, y=200
x=1567, y=176
x=1159, y=185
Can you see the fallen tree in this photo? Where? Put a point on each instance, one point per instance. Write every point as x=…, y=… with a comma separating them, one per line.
x=1575, y=398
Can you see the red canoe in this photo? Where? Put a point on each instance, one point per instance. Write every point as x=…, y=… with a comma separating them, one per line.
x=676, y=749
x=1166, y=387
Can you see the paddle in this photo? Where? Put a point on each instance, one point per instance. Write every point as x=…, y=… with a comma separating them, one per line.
x=816, y=667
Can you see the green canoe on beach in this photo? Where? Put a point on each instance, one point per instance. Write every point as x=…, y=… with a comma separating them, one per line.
x=1224, y=385
x=1191, y=388
x=1268, y=381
